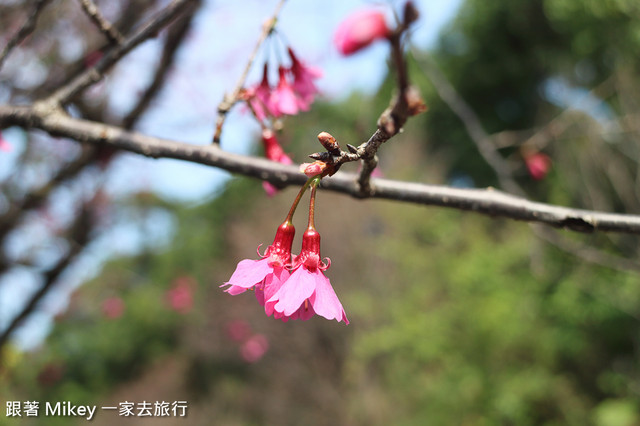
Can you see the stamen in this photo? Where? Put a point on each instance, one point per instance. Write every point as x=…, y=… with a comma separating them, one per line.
x=306, y=304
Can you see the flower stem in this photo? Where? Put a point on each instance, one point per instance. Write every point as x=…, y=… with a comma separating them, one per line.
x=292, y=210
x=312, y=201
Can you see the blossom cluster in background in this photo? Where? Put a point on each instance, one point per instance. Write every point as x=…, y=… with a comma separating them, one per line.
x=294, y=92
x=252, y=346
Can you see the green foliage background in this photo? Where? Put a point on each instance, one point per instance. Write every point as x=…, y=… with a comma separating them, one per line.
x=455, y=318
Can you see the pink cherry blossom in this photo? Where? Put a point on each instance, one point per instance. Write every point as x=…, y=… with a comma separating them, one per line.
x=283, y=99
x=180, y=295
x=307, y=291
x=538, y=165
x=254, y=348
x=274, y=152
x=258, y=96
x=268, y=274
x=272, y=149
x=303, y=77
x=359, y=30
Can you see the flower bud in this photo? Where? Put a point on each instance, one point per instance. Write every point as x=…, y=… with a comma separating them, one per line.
x=313, y=169
x=329, y=142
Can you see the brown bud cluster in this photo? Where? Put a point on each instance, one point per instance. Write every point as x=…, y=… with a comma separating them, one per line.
x=329, y=143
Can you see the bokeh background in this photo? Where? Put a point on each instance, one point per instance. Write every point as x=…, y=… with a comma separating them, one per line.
x=455, y=318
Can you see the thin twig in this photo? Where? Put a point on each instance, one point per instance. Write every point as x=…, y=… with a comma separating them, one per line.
x=473, y=125
x=395, y=116
x=486, y=201
x=78, y=238
x=36, y=198
x=26, y=29
x=174, y=40
x=489, y=152
x=95, y=74
x=229, y=101
x=586, y=252
x=105, y=27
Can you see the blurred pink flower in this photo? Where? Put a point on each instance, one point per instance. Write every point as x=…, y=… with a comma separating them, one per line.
x=254, y=348
x=294, y=92
x=359, y=30
x=283, y=99
x=274, y=152
x=272, y=149
x=238, y=330
x=4, y=145
x=269, y=188
x=267, y=274
x=113, y=307
x=307, y=291
x=303, y=77
x=258, y=96
x=180, y=295
x=538, y=165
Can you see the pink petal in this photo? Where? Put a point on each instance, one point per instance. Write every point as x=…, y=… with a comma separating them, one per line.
x=299, y=287
x=269, y=188
x=303, y=81
x=284, y=101
x=248, y=273
x=304, y=312
x=325, y=301
x=272, y=284
x=258, y=109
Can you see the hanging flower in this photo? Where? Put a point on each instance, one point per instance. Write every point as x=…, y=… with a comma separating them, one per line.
x=303, y=77
x=257, y=96
x=307, y=291
x=359, y=30
x=274, y=152
x=267, y=274
x=283, y=99
x=272, y=149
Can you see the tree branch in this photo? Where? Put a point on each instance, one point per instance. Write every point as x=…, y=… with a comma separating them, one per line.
x=174, y=41
x=37, y=197
x=94, y=74
x=472, y=123
x=486, y=201
x=488, y=150
x=230, y=100
x=103, y=25
x=78, y=239
x=26, y=29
